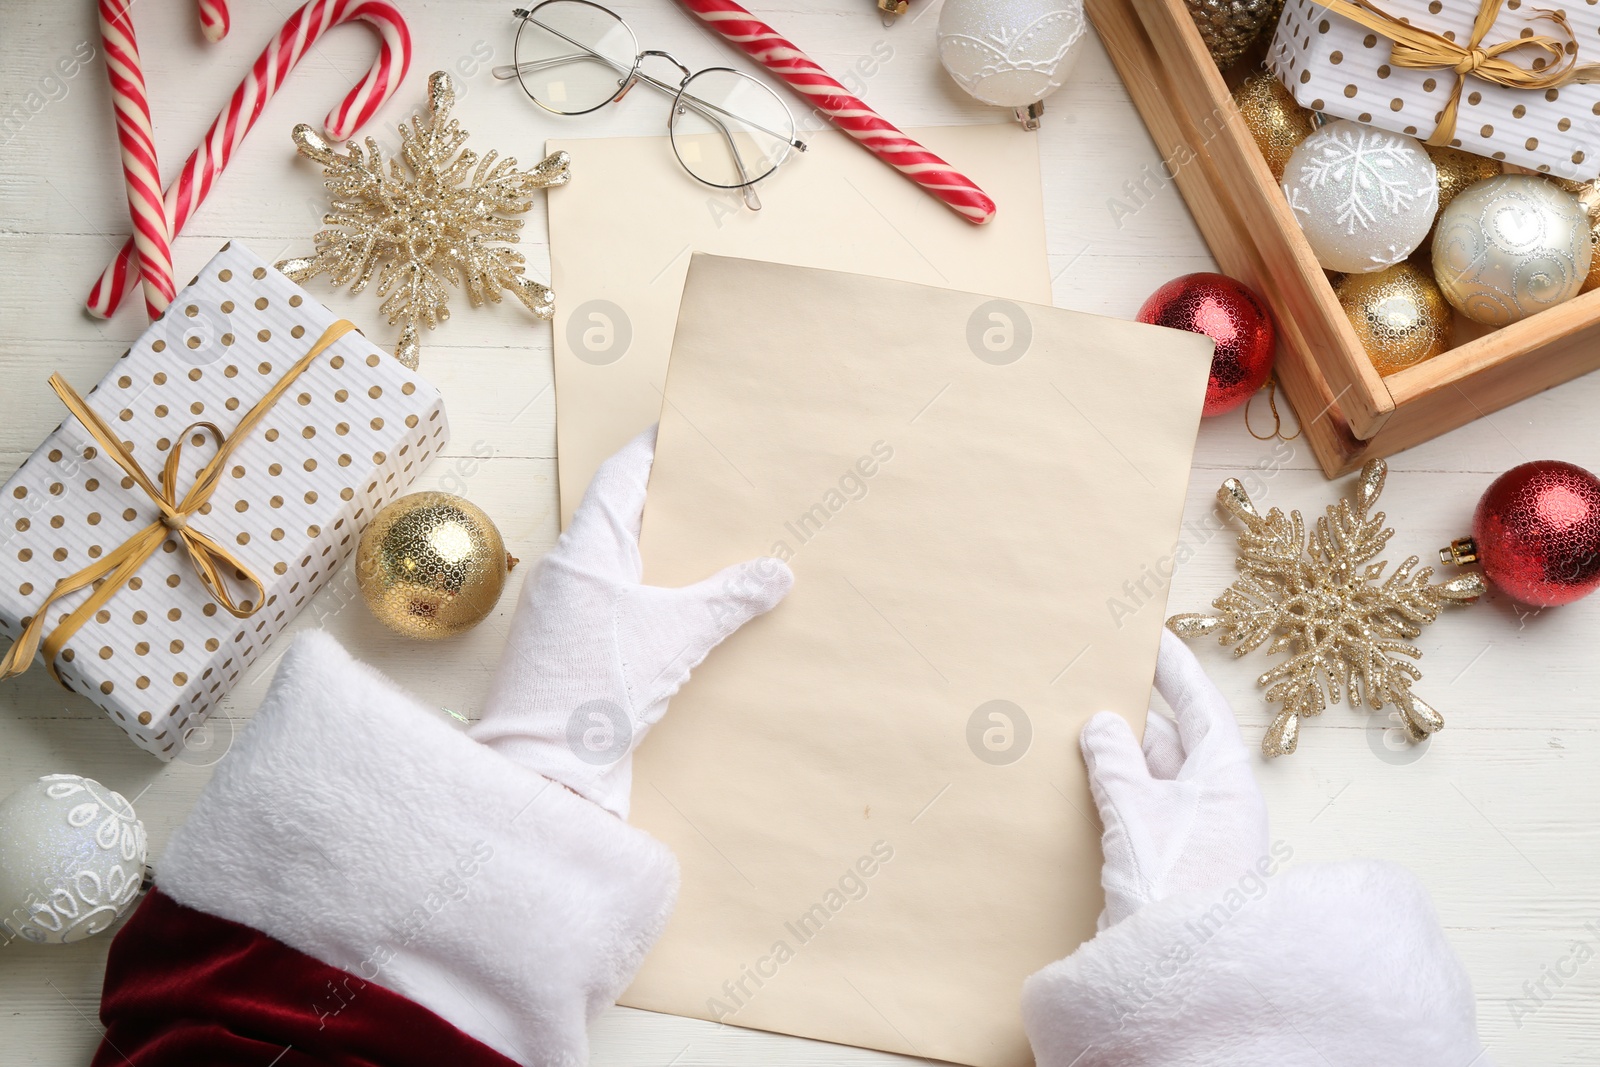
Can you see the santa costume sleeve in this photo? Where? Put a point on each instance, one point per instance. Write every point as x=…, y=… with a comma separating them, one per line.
x=1211, y=952
x=362, y=884
x=1324, y=963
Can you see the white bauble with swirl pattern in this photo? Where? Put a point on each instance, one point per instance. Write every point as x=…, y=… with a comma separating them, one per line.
x=1010, y=53
x=72, y=855
x=1364, y=198
x=1507, y=247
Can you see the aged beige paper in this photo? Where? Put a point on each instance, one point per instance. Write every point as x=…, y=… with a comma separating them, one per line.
x=875, y=791
x=621, y=235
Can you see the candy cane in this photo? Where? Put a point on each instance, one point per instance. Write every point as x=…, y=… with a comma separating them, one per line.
x=206, y=163
x=214, y=19
x=140, y=172
x=855, y=118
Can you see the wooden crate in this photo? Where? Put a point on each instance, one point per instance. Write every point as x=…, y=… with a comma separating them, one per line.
x=1349, y=413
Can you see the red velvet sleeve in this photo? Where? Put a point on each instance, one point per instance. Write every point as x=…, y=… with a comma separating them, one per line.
x=185, y=988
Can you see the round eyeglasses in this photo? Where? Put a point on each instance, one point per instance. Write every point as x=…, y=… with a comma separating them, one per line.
x=727, y=129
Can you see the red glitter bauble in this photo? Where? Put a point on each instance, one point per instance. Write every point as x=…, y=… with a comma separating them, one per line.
x=1537, y=532
x=1232, y=316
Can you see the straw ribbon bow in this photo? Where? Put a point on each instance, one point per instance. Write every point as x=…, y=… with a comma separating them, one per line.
x=111, y=572
x=1418, y=49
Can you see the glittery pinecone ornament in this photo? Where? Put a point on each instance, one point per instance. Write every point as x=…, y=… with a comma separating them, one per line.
x=1229, y=27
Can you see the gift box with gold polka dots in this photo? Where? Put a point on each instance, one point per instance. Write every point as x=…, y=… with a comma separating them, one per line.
x=350, y=434
x=1551, y=125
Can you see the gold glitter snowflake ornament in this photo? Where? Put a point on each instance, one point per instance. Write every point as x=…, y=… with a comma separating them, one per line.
x=1321, y=600
x=432, y=221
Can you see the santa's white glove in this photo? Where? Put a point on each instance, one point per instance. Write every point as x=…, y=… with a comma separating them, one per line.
x=594, y=655
x=1184, y=813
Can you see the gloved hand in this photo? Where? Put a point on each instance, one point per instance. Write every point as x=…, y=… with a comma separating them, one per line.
x=1184, y=813
x=594, y=655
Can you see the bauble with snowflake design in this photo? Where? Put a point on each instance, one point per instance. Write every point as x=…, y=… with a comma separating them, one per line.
x=1364, y=198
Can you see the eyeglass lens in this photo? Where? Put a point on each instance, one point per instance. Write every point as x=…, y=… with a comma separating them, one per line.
x=573, y=56
x=729, y=130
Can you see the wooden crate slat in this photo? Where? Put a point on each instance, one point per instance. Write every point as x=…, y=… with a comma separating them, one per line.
x=1295, y=283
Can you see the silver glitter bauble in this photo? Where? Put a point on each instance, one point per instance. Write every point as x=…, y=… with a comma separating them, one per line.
x=1229, y=27
x=72, y=856
x=1364, y=198
x=1507, y=247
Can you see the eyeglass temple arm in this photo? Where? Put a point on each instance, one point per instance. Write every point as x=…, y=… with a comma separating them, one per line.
x=704, y=107
x=508, y=71
x=747, y=187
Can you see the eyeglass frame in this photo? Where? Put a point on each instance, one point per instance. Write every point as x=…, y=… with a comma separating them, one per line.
x=634, y=75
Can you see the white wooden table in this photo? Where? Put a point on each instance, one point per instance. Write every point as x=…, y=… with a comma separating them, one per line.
x=1497, y=815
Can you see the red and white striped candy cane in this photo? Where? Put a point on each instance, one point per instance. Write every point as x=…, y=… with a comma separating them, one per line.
x=845, y=111
x=206, y=163
x=141, y=174
x=214, y=19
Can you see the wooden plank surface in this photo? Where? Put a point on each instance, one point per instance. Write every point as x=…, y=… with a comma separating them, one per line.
x=1498, y=815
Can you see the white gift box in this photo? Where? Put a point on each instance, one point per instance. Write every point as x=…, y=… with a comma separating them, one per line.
x=349, y=435
x=1337, y=66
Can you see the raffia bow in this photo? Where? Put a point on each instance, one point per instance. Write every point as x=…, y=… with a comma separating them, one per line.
x=111, y=572
x=1418, y=49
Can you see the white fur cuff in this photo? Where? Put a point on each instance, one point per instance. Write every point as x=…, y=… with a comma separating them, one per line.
x=358, y=827
x=1325, y=963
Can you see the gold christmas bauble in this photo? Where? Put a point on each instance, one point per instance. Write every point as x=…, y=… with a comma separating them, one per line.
x=1277, y=123
x=1399, y=315
x=431, y=565
x=1457, y=170
x=1230, y=27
